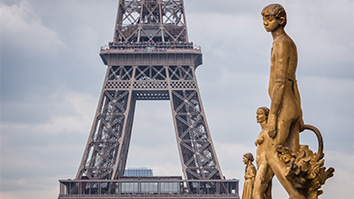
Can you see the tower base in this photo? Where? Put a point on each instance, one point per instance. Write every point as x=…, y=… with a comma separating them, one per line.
x=148, y=187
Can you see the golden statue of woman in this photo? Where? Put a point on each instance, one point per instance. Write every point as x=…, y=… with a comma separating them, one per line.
x=250, y=174
x=264, y=175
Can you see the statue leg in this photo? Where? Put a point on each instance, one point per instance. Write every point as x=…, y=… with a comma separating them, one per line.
x=263, y=178
x=285, y=128
x=293, y=141
x=268, y=192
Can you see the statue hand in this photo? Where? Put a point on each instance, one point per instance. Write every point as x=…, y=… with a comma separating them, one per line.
x=272, y=132
x=271, y=126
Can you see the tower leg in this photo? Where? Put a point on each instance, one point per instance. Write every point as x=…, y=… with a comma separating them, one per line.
x=194, y=142
x=125, y=139
x=107, y=147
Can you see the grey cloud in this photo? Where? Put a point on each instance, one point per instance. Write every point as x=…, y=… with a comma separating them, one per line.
x=58, y=56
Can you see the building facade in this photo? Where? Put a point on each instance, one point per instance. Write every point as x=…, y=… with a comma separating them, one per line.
x=143, y=172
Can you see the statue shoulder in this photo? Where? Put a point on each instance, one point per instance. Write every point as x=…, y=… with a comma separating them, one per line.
x=284, y=41
x=252, y=169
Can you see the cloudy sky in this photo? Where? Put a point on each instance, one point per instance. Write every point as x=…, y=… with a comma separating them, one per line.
x=52, y=75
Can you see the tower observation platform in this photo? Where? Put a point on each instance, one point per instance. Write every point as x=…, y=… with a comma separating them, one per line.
x=150, y=58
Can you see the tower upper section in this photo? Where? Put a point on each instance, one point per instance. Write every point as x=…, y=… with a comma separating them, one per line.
x=150, y=21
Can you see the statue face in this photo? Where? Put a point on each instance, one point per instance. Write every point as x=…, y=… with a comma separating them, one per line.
x=245, y=160
x=271, y=23
x=261, y=116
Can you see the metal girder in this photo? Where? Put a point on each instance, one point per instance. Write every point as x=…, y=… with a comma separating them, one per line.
x=194, y=141
x=150, y=20
x=105, y=138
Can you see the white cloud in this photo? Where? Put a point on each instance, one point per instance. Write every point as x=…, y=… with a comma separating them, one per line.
x=163, y=158
x=23, y=29
x=77, y=120
x=343, y=164
x=328, y=86
x=7, y=195
x=52, y=192
x=82, y=105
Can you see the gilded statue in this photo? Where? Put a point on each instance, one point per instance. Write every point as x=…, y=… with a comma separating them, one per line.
x=300, y=171
x=250, y=174
x=285, y=115
x=304, y=168
x=264, y=175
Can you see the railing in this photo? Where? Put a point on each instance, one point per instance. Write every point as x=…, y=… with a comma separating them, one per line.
x=150, y=46
x=145, y=187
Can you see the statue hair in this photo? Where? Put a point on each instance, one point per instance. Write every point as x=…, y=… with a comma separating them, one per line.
x=249, y=156
x=275, y=10
x=265, y=110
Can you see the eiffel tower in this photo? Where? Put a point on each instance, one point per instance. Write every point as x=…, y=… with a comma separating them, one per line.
x=150, y=58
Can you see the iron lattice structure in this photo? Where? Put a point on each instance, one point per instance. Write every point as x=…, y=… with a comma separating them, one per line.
x=150, y=20
x=150, y=58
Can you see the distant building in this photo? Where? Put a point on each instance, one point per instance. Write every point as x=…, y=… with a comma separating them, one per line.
x=145, y=172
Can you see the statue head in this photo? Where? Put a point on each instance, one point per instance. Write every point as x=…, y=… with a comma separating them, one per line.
x=275, y=13
x=262, y=114
x=247, y=157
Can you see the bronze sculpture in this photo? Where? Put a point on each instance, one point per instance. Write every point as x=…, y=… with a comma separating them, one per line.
x=285, y=115
x=300, y=171
x=250, y=174
x=264, y=175
x=304, y=168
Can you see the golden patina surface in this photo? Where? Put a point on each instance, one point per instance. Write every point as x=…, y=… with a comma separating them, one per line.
x=300, y=171
x=264, y=176
x=250, y=174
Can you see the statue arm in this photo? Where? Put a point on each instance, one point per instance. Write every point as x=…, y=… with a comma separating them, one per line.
x=297, y=96
x=251, y=172
x=277, y=93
